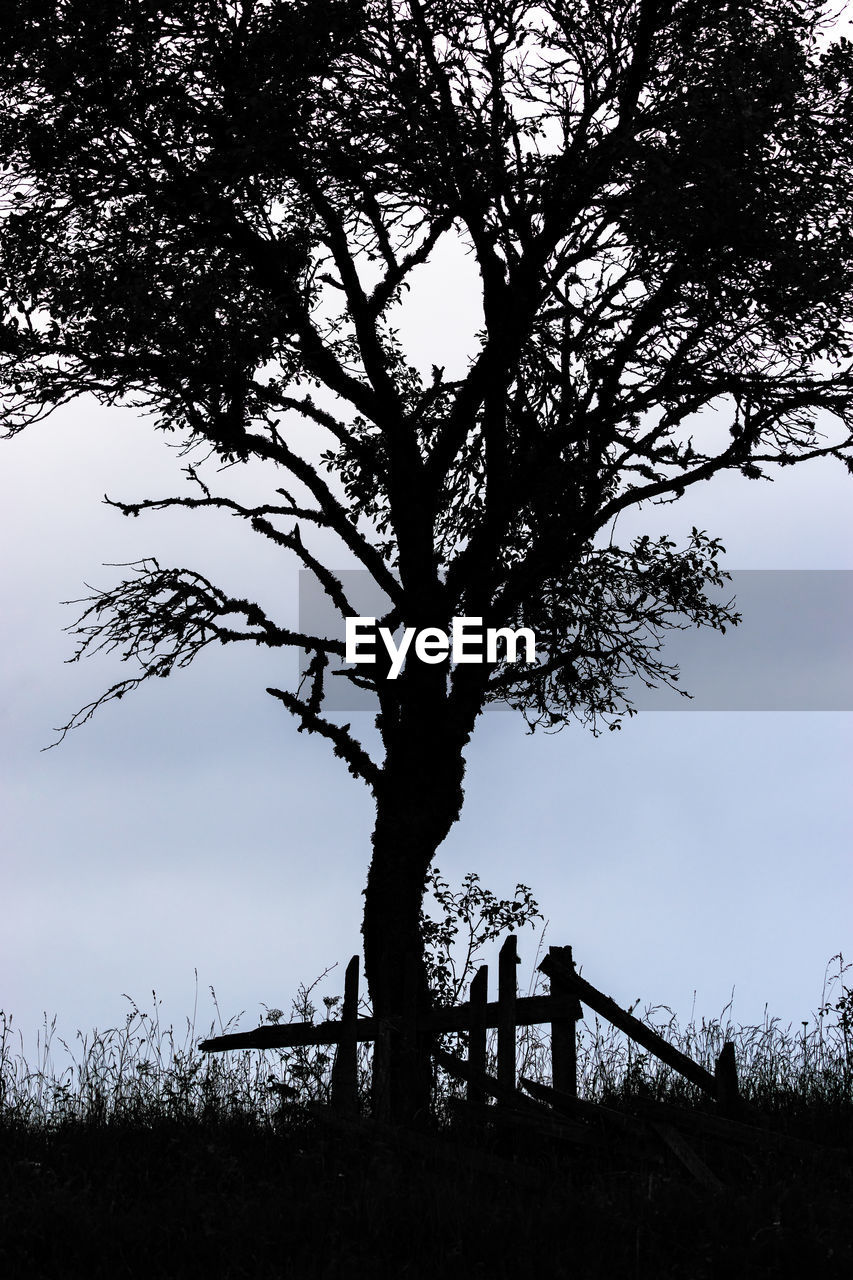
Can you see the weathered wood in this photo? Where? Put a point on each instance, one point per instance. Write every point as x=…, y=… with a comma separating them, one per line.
x=569, y=1104
x=564, y=1047
x=507, y=989
x=345, y=1067
x=288, y=1036
x=527, y=1112
x=529, y=1011
x=687, y=1156
x=725, y=1074
x=632, y=1026
x=490, y=1084
x=479, y=995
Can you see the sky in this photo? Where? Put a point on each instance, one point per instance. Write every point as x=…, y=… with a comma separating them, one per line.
x=694, y=857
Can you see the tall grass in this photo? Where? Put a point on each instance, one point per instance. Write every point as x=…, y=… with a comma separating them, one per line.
x=129, y=1152
x=142, y=1072
x=130, y=1074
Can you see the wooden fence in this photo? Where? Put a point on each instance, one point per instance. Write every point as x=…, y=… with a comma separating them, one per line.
x=561, y=1008
x=555, y=1110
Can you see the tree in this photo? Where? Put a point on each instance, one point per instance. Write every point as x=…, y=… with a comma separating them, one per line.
x=212, y=210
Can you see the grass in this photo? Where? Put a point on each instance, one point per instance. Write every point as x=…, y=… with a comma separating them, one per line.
x=143, y=1157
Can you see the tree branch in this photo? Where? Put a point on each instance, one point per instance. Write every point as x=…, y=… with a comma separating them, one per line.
x=358, y=761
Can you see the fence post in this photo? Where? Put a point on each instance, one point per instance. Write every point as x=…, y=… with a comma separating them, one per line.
x=725, y=1075
x=478, y=997
x=507, y=961
x=345, y=1067
x=564, y=1045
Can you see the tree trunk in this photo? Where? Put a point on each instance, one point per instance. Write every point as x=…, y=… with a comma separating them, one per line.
x=417, y=804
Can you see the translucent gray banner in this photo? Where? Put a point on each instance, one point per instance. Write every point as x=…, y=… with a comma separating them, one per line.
x=791, y=652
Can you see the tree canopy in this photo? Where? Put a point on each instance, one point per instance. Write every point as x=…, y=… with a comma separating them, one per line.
x=212, y=210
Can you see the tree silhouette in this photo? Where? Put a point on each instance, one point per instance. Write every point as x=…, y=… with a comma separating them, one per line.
x=212, y=210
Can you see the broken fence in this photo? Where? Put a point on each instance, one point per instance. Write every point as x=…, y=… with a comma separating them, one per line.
x=561, y=1008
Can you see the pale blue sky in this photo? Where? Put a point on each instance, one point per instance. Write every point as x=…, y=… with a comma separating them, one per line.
x=190, y=826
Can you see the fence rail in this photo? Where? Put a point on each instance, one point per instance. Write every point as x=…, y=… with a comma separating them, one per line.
x=530, y=1011
x=554, y=1110
x=557, y=966
x=561, y=1008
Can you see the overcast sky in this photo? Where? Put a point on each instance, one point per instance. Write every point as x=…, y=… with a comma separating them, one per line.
x=190, y=827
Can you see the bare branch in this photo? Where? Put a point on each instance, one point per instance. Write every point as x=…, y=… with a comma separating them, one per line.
x=161, y=619
x=358, y=761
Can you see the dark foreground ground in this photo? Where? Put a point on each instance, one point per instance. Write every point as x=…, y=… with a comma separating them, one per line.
x=240, y=1200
